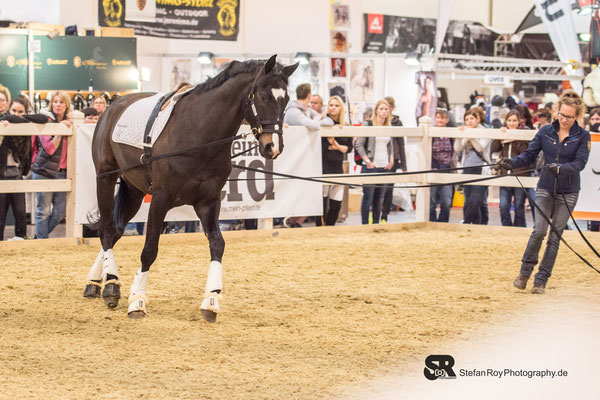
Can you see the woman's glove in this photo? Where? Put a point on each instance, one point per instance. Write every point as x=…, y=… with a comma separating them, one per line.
x=554, y=169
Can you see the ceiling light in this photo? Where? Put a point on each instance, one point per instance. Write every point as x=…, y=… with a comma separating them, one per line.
x=205, y=57
x=413, y=58
x=302, y=57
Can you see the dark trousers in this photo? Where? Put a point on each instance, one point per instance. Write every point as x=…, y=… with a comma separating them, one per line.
x=17, y=202
x=372, y=198
x=388, y=196
x=507, y=194
x=331, y=212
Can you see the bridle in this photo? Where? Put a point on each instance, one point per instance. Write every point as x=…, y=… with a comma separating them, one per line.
x=258, y=126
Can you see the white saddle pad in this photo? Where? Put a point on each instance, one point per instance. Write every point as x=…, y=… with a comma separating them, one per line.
x=132, y=123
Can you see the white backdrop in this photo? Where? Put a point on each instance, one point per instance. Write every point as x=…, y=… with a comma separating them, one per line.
x=590, y=183
x=242, y=199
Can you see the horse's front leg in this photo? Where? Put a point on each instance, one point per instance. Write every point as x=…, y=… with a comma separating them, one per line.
x=209, y=216
x=138, y=301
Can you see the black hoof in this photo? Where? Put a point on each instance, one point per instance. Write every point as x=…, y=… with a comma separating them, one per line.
x=91, y=292
x=111, y=295
x=209, y=316
x=136, y=314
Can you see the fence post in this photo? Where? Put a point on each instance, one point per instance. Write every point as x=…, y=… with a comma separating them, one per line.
x=73, y=229
x=424, y=163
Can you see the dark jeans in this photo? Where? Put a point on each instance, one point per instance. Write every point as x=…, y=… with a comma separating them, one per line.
x=372, y=196
x=554, y=207
x=506, y=199
x=388, y=196
x=17, y=202
x=441, y=195
x=475, y=209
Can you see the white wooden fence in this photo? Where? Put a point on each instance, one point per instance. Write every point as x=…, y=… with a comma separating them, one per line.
x=423, y=134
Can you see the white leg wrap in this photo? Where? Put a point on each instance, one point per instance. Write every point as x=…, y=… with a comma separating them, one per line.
x=211, y=302
x=215, y=277
x=109, y=265
x=95, y=273
x=137, y=293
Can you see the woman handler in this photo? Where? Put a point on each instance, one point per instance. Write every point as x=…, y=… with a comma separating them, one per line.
x=566, y=149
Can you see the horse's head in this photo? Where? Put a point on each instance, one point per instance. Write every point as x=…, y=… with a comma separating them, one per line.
x=266, y=102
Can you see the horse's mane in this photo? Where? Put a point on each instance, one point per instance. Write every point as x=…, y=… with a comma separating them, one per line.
x=232, y=69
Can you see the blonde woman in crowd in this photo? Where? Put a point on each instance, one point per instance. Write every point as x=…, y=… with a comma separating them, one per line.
x=50, y=162
x=377, y=155
x=334, y=150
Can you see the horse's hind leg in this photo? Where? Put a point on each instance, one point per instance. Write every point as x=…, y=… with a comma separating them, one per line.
x=209, y=216
x=137, y=294
x=126, y=204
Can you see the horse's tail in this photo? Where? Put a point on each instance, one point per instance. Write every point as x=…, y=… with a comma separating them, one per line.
x=120, y=205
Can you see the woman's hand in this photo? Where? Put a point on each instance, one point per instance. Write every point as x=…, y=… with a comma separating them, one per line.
x=462, y=128
x=4, y=123
x=503, y=130
x=370, y=165
x=67, y=123
x=389, y=166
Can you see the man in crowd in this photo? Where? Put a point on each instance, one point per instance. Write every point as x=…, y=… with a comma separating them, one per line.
x=442, y=153
x=316, y=103
x=297, y=112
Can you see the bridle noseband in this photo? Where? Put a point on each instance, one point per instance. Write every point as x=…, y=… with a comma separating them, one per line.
x=257, y=126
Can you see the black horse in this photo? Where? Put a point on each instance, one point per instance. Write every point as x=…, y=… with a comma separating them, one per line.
x=209, y=115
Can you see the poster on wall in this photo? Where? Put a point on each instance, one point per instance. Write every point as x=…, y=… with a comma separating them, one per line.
x=338, y=67
x=181, y=71
x=339, y=41
x=587, y=206
x=395, y=34
x=361, y=112
x=362, y=80
x=426, y=95
x=340, y=16
x=312, y=73
x=208, y=20
x=338, y=89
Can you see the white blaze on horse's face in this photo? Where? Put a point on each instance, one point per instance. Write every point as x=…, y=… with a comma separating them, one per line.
x=278, y=93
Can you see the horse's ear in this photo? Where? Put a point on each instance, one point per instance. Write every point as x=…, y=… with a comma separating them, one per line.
x=289, y=70
x=270, y=63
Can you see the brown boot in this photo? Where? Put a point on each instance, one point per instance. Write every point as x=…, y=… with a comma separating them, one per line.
x=520, y=282
x=538, y=288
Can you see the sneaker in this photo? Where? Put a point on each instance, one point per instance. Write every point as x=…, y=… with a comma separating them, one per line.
x=14, y=239
x=287, y=223
x=370, y=218
x=538, y=288
x=130, y=232
x=383, y=221
x=520, y=282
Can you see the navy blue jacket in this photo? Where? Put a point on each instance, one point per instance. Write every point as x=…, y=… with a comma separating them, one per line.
x=572, y=155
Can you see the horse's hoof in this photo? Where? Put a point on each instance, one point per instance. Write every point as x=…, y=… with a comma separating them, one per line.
x=139, y=314
x=111, y=295
x=91, y=291
x=209, y=316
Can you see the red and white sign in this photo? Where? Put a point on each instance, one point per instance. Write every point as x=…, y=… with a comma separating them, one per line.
x=375, y=22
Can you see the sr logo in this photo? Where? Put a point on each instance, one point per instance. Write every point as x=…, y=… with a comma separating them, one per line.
x=439, y=366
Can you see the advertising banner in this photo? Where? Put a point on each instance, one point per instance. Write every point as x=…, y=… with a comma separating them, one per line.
x=587, y=205
x=176, y=19
x=69, y=62
x=246, y=195
x=394, y=34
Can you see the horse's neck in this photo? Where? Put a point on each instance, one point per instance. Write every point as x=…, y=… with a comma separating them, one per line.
x=233, y=95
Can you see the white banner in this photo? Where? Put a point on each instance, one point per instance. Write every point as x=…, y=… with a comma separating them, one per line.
x=443, y=20
x=140, y=10
x=241, y=198
x=590, y=183
x=558, y=19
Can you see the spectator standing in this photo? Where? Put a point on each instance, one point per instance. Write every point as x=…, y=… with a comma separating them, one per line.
x=15, y=161
x=442, y=157
x=399, y=161
x=298, y=113
x=50, y=162
x=100, y=104
x=316, y=103
x=90, y=115
x=377, y=154
x=334, y=150
x=4, y=100
x=476, y=152
x=512, y=195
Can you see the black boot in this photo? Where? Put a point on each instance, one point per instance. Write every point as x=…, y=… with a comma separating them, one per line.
x=333, y=212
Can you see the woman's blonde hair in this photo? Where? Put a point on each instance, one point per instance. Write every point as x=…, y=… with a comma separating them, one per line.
x=101, y=98
x=570, y=98
x=374, y=115
x=64, y=96
x=4, y=90
x=342, y=117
